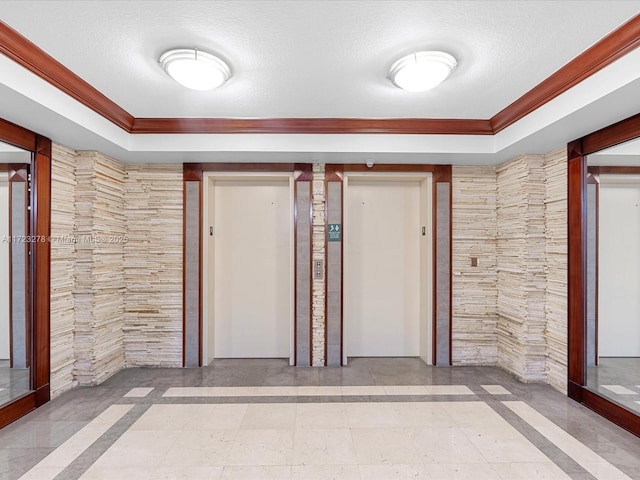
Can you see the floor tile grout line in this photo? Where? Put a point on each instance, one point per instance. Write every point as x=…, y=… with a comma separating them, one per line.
x=562, y=431
x=86, y=430
x=89, y=456
x=548, y=448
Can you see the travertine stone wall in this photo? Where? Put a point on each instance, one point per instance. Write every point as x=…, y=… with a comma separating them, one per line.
x=475, y=295
x=153, y=265
x=521, y=267
x=99, y=293
x=555, y=169
x=63, y=218
x=319, y=248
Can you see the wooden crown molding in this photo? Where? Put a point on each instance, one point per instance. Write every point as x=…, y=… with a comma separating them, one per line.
x=30, y=56
x=615, y=45
x=612, y=47
x=313, y=126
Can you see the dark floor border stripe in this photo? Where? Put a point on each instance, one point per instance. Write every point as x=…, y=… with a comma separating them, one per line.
x=86, y=459
x=563, y=461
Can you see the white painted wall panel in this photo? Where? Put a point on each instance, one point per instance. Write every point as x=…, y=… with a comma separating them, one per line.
x=252, y=304
x=383, y=280
x=619, y=271
x=4, y=267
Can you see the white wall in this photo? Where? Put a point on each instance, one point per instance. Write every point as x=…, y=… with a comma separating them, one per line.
x=252, y=263
x=382, y=291
x=619, y=270
x=4, y=267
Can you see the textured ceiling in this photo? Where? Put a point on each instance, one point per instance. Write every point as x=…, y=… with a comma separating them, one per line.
x=315, y=59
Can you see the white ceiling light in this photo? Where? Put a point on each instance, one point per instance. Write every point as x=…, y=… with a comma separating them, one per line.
x=195, y=69
x=421, y=71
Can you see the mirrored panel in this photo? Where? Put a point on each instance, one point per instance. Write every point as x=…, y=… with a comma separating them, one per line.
x=15, y=300
x=613, y=274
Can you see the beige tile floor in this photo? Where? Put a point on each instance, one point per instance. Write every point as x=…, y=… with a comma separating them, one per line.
x=438, y=424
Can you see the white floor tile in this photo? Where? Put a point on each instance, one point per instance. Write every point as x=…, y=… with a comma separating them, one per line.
x=496, y=389
x=405, y=390
x=164, y=417
x=503, y=444
x=216, y=417
x=472, y=414
x=530, y=471
x=394, y=472
x=445, y=445
x=605, y=471
x=375, y=446
x=262, y=447
x=325, y=472
x=118, y=473
x=138, y=392
x=422, y=414
x=363, y=390
x=462, y=471
x=264, y=472
x=321, y=415
x=372, y=415
x=323, y=447
x=187, y=473
x=619, y=389
x=269, y=416
x=448, y=390
x=146, y=448
x=202, y=448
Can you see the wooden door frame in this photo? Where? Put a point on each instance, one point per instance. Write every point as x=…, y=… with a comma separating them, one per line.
x=40, y=227
x=577, y=151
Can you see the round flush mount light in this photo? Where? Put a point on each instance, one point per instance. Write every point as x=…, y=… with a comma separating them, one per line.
x=421, y=71
x=194, y=68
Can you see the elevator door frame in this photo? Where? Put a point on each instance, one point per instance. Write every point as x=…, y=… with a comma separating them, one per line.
x=208, y=255
x=425, y=181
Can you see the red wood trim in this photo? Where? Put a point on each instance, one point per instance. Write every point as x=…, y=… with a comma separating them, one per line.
x=615, y=45
x=612, y=47
x=30, y=56
x=615, y=134
x=405, y=126
x=17, y=408
x=40, y=265
x=577, y=177
x=612, y=411
x=17, y=136
x=192, y=172
x=611, y=170
x=577, y=249
x=41, y=221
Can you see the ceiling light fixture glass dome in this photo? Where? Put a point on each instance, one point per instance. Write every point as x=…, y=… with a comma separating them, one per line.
x=422, y=71
x=195, y=69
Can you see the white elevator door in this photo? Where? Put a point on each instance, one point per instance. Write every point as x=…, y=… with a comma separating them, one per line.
x=619, y=271
x=383, y=262
x=252, y=301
